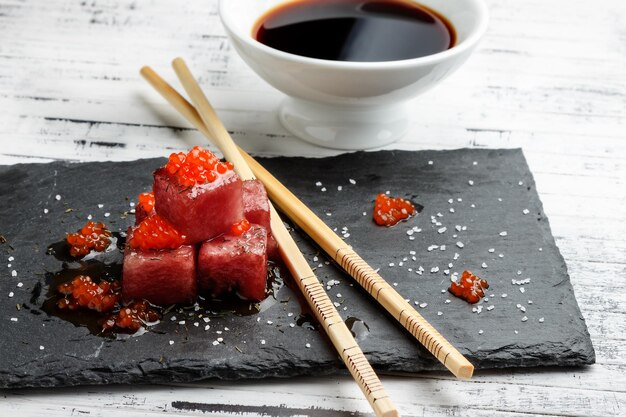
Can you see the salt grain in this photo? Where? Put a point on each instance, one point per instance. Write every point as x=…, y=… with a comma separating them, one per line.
x=323, y=189
x=524, y=319
x=14, y=273
x=107, y=214
x=525, y=211
x=171, y=342
x=480, y=332
x=352, y=181
x=20, y=285
x=423, y=305
x=11, y=294
x=308, y=345
x=434, y=269
x=45, y=211
x=492, y=250
x=460, y=244
x=541, y=320
x=13, y=318
x=41, y=347
x=318, y=184
x=339, y=188
x=503, y=233
x=442, y=230
x=490, y=308
x=470, y=182
x=215, y=342
x=439, y=313
x=430, y=162
x=262, y=341
x=57, y=197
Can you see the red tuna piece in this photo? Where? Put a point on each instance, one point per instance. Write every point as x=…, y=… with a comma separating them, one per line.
x=201, y=211
x=234, y=263
x=162, y=277
x=145, y=207
x=256, y=208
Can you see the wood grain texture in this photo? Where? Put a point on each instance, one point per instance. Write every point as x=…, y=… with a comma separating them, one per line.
x=548, y=77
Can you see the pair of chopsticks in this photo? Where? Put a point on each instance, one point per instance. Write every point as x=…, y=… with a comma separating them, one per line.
x=209, y=124
x=204, y=118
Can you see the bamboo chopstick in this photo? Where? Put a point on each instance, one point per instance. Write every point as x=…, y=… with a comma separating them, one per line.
x=369, y=279
x=306, y=280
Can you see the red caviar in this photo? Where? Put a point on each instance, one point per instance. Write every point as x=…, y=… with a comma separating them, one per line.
x=92, y=236
x=240, y=227
x=146, y=202
x=153, y=233
x=83, y=292
x=132, y=317
x=198, y=166
x=389, y=211
x=470, y=287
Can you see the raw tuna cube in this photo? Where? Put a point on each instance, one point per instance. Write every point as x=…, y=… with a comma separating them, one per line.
x=162, y=277
x=145, y=207
x=256, y=208
x=234, y=263
x=199, y=212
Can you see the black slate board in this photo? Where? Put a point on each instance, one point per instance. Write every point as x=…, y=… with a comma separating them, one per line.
x=38, y=350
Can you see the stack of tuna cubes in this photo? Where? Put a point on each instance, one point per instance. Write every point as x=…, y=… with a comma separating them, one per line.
x=204, y=232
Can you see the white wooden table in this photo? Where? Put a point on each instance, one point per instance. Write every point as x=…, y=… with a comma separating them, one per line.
x=549, y=77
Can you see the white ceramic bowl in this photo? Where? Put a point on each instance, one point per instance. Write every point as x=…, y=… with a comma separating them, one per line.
x=350, y=105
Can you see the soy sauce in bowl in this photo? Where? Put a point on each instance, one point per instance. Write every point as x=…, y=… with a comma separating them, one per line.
x=355, y=30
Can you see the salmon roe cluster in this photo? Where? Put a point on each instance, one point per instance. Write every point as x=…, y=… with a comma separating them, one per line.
x=240, y=227
x=198, y=166
x=154, y=233
x=470, y=287
x=389, y=211
x=146, y=202
x=83, y=292
x=132, y=317
x=92, y=236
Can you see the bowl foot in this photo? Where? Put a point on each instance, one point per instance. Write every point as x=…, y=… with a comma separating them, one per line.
x=343, y=127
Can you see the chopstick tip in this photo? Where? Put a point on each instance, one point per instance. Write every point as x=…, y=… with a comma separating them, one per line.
x=465, y=372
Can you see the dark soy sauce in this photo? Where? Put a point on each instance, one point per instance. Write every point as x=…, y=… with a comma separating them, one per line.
x=355, y=30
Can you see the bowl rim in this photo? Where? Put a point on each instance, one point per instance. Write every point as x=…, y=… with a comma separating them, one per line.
x=468, y=43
